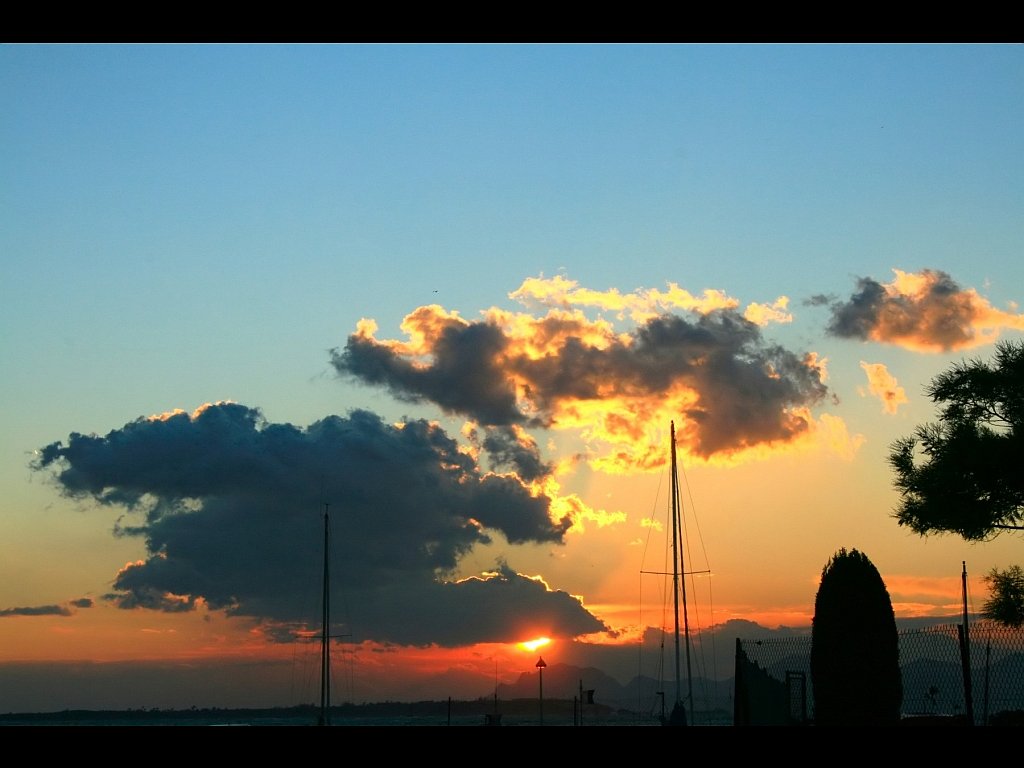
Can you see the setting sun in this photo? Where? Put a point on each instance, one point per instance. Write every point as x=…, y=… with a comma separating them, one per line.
x=478, y=340
x=533, y=645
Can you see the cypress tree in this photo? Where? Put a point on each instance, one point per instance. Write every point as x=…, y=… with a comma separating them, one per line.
x=855, y=665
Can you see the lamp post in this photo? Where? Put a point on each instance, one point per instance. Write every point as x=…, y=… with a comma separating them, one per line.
x=540, y=669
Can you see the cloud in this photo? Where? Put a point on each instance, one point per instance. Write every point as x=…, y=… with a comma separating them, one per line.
x=642, y=304
x=884, y=386
x=732, y=390
x=470, y=610
x=36, y=610
x=48, y=610
x=926, y=311
x=511, y=447
x=230, y=509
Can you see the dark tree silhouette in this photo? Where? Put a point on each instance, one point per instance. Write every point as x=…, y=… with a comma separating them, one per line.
x=855, y=654
x=1006, y=600
x=970, y=479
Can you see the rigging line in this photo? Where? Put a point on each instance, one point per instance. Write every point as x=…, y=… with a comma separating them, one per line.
x=305, y=663
x=695, y=639
x=652, y=524
x=706, y=560
x=341, y=594
x=305, y=673
x=696, y=522
x=970, y=598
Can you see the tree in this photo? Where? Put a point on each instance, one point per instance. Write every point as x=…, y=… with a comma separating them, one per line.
x=1006, y=600
x=970, y=480
x=855, y=653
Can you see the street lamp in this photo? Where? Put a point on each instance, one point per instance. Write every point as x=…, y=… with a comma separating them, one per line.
x=540, y=668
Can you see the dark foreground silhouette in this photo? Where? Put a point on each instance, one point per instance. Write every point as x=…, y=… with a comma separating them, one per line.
x=475, y=712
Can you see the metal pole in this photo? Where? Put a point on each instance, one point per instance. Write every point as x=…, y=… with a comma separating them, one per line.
x=325, y=640
x=540, y=668
x=965, y=651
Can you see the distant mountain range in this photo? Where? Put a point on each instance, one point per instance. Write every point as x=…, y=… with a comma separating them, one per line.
x=930, y=687
x=641, y=695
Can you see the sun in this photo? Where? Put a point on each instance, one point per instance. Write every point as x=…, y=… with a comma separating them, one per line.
x=533, y=645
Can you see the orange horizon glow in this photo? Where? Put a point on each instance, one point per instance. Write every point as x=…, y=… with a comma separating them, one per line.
x=105, y=633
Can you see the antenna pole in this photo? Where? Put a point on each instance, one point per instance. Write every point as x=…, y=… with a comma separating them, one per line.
x=965, y=652
x=325, y=641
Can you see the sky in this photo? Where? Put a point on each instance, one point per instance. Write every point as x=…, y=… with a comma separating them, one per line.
x=457, y=296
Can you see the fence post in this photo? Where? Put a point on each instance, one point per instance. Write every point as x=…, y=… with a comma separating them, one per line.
x=965, y=663
x=739, y=698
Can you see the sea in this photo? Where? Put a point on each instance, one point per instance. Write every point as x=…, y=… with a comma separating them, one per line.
x=392, y=714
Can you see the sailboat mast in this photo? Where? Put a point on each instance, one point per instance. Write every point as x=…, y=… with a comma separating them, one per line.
x=679, y=581
x=676, y=536
x=325, y=644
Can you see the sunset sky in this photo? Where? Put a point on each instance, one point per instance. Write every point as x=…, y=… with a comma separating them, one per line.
x=456, y=295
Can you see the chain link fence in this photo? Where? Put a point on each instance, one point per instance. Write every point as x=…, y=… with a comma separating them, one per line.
x=949, y=675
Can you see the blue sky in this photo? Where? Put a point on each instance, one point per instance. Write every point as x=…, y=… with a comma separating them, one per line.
x=193, y=224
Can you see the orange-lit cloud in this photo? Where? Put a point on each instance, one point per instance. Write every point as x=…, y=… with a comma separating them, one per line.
x=763, y=314
x=561, y=292
x=176, y=412
x=884, y=386
x=572, y=507
x=921, y=596
x=733, y=394
x=643, y=304
x=925, y=311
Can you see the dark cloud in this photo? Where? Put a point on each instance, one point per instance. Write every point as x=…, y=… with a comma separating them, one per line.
x=745, y=387
x=739, y=390
x=230, y=509
x=36, y=610
x=819, y=300
x=82, y=602
x=508, y=449
x=466, y=375
x=855, y=318
x=926, y=311
x=502, y=606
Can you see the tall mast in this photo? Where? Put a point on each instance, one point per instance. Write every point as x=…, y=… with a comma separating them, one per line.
x=679, y=580
x=325, y=641
x=675, y=555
